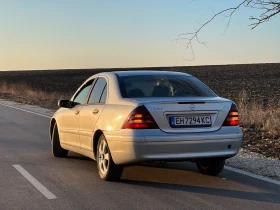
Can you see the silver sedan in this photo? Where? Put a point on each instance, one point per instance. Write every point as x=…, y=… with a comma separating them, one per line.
x=127, y=117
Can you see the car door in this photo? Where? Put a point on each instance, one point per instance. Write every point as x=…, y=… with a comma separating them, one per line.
x=70, y=118
x=91, y=111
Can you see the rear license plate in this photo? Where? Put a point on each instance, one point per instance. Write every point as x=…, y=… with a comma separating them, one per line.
x=190, y=121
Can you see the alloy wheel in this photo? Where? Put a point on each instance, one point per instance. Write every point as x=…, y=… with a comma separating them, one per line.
x=103, y=157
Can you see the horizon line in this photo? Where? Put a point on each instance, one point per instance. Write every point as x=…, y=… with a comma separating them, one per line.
x=146, y=67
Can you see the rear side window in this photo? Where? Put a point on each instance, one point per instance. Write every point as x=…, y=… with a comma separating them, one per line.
x=98, y=91
x=140, y=86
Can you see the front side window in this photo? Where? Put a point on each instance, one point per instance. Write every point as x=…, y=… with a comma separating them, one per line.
x=99, y=91
x=80, y=98
x=140, y=86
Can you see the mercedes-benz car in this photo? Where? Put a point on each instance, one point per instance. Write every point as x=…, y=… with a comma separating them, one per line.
x=128, y=117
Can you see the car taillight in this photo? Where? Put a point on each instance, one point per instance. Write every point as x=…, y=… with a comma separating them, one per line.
x=140, y=118
x=232, y=118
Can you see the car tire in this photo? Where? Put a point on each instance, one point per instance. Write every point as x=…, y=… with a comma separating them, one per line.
x=210, y=166
x=57, y=150
x=107, y=169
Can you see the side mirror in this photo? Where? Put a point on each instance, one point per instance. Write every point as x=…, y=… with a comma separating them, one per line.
x=65, y=103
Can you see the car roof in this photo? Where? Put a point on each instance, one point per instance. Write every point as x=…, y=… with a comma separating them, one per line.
x=147, y=72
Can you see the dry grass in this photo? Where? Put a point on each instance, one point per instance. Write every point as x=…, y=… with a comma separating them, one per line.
x=25, y=90
x=254, y=114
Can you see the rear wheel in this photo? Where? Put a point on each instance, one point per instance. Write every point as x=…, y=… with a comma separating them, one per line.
x=210, y=166
x=107, y=169
x=57, y=150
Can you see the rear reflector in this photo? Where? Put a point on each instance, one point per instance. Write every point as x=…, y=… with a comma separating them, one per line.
x=232, y=118
x=140, y=118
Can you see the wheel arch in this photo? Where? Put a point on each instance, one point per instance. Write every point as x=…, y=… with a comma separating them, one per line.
x=96, y=137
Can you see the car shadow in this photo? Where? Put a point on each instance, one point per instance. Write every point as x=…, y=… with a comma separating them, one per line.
x=225, y=174
x=253, y=196
x=185, y=177
x=182, y=178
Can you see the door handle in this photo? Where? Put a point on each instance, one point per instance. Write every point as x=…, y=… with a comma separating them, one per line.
x=95, y=111
x=77, y=112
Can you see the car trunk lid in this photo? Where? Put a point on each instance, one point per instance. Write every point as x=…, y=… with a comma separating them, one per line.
x=186, y=115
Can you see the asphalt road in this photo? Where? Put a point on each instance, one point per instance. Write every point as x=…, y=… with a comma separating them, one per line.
x=24, y=141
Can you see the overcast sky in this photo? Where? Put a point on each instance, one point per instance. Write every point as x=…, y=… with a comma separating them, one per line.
x=58, y=34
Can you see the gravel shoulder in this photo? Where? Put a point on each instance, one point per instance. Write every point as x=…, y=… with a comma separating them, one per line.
x=245, y=160
x=256, y=163
x=31, y=108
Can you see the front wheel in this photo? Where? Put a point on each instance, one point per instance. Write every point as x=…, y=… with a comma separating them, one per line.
x=57, y=150
x=210, y=166
x=107, y=169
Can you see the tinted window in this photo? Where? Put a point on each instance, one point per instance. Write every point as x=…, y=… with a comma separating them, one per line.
x=97, y=91
x=104, y=95
x=163, y=86
x=81, y=97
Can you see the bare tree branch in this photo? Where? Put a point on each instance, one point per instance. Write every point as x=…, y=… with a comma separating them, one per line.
x=270, y=8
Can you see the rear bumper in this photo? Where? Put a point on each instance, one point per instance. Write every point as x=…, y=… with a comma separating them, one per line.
x=126, y=149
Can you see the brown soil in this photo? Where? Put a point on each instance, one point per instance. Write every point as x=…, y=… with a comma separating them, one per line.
x=261, y=81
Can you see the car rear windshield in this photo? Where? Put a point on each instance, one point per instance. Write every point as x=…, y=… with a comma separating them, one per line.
x=140, y=86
